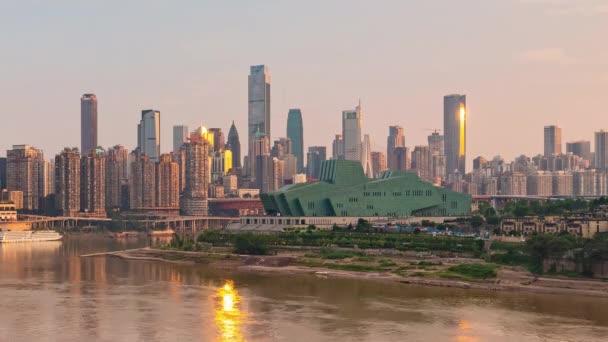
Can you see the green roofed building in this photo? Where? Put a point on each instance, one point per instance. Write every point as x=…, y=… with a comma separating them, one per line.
x=344, y=190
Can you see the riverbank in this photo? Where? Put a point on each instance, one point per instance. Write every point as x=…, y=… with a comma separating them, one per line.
x=414, y=271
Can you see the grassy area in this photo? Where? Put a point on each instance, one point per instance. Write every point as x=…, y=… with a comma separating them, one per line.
x=343, y=267
x=469, y=271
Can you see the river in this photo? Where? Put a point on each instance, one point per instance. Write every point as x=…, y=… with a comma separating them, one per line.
x=49, y=293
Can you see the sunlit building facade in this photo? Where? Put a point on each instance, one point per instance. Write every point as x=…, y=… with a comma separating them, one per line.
x=455, y=132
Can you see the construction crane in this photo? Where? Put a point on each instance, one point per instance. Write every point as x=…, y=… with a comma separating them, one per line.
x=435, y=130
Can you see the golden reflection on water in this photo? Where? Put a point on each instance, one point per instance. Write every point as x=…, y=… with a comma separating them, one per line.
x=464, y=332
x=228, y=315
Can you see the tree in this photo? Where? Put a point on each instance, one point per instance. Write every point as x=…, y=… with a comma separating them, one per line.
x=251, y=244
x=476, y=221
x=363, y=225
x=417, y=231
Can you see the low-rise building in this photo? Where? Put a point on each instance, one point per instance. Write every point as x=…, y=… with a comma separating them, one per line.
x=8, y=212
x=583, y=226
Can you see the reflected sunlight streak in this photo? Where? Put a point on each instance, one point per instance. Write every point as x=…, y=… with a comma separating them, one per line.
x=228, y=315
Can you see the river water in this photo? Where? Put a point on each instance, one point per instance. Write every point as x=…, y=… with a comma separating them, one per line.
x=49, y=293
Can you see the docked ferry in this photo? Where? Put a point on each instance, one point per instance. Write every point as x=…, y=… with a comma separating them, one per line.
x=29, y=236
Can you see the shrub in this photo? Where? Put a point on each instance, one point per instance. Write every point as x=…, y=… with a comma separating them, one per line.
x=251, y=244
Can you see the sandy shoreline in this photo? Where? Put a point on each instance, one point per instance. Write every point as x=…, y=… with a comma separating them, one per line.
x=508, y=279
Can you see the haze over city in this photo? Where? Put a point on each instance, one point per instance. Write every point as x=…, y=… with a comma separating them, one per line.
x=522, y=65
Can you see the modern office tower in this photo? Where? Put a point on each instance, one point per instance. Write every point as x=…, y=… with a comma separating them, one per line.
x=93, y=184
x=264, y=171
x=67, y=182
x=291, y=166
x=436, y=143
x=553, y=140
x=378, y=163
x=479, y=163
x=88, y=123
x=316, y=155
x=148, y=134
x=585, y=183
x=234, y=145
x=281, y=147
x=455, y=132
x=197, y=151
x=142, y=182
x=259, y=105
x=180, y=158
x=562, y=183
x=581, y=148
x=295, y=132
x=513, y=184
x=351, y=133
x=422, y=163
x=23, y=165
x=395, y=139
x=180, y=135
x=337, y=147
x=540, y=184
x=221, y=163
x=601, y=150
x=47, y=178
x=219, y=141
x=259, y=145
x=2, y=173
x=167, y=182
x=402, y=158
x=366, y=157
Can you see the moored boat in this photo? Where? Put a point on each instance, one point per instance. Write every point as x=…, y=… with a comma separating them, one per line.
x=29, y=236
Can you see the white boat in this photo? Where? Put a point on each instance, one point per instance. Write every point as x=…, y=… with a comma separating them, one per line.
x=29, y=236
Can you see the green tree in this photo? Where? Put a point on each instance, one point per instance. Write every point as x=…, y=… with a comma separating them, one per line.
x=476, y=221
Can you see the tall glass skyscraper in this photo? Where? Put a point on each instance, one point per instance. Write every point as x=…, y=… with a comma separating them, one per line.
x=148, y=134
x=455, y=132
x=259, y=105
x=234, y=145
x=553, y=141
x=88, y=123
x=395, y=139
x=295, y=132
x=180, y=135
x=351, y=134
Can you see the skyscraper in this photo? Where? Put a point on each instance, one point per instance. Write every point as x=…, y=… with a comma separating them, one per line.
x=148, y=134
x=422, y=162
x=23, y=170
x=455, y=132
x=93, y=184
x=402, y=158
x=219, y=142
x=88, y=123
x=259, y=104
x=601, y=150
x=2, y=173
x=337, y=147
x=366, y=157
x=281, y=147
x=67, y=182
x=259, y=146
x=295, y=132
x=378, y=163
x=395, y=139
x=180, y=135
x=581, y=148
x=116, y=164
x=553, y=140
x=142, y=181
x=197, y=150
x=316, y=155
x=234, y=145
x=167, y=182
x=351, y=133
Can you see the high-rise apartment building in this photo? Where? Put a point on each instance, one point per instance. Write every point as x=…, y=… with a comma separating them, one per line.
x=295, y=132
x=563, y=183
x=281, y=147
x=142, y=181
x=167, y=182
x=337, y=147
x=316, y=155
x=93, y=184
x=601, y=150
x=259, y=105
x=422, y=163
x=148, y=134
x=221, y=163
x=259, y=146
x=67, y=182
x=581, y=148
x=194, y=201
x=402, y=159
x=513, y=184
x=351, y=134
x=180, y=135
x=455, y=133
x=553, y=140
x=88, y=123
x=234, y=145
x=436, y=143
x=23, y=170
x=378, y=163
x=479, y=163
x=116, y=164
x=396, y=138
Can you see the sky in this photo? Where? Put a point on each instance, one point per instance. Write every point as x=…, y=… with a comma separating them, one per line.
x=523, y=64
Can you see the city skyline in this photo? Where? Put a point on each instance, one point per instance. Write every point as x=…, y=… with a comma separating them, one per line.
x=399, y=84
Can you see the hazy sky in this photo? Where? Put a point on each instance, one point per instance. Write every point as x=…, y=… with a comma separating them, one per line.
x=521, y=63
